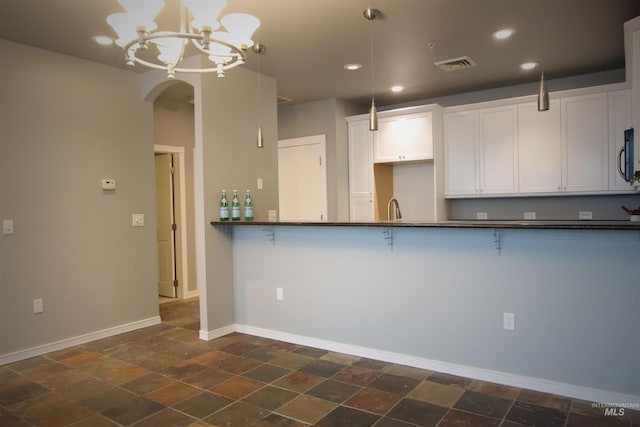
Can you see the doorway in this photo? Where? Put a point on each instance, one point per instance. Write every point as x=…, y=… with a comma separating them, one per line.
x=302, y=179
x=171, y=216
x=166, y=226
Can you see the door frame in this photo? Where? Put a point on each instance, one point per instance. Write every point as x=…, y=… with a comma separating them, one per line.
x=182, y=264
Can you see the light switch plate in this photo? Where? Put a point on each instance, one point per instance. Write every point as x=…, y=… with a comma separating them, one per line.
x=509, y=321
x=137, y=220
x=530, y=215
x=7, y=226
x=38, y=306
x=482, y=215
x=259, y=184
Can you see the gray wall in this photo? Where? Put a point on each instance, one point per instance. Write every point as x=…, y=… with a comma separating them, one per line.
x=230, y=159
x=324, y=117
x=66, y=124
x=439, y=295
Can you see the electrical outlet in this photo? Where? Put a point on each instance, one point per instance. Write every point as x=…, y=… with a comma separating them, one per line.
x=509, y=321
x=279, y=294
x=585, y=215
x=273, y=216
x=530, y=215
x=108, y=184
x=482, y=215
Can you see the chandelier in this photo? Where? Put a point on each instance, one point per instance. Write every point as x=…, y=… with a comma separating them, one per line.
x=199, y=27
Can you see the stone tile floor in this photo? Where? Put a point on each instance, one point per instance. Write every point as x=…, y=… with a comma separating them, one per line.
x=165, y=376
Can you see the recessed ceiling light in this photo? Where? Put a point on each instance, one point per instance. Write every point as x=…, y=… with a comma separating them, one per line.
x=505, y=33
x=352, y=67
x=529, y=65
x=103, y=40
x=397, y=88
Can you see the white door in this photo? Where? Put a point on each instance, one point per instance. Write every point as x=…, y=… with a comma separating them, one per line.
x=165, y=231
x=302, y=179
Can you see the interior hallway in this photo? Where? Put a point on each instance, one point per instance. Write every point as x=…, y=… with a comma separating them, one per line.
x=165, y=375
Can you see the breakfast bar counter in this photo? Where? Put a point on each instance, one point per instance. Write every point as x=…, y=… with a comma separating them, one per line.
x=493, y=224
x=436, y=295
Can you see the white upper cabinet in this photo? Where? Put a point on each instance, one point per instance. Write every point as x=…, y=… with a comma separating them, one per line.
x=514, y=149
x=498, y=144
x=619, y=120
x=481, y=151
x=460, y=153
x=539, y=148
x=404, y=138
x=585, y=138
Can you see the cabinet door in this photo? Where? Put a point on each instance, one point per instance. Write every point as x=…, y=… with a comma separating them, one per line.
x=361, y=208
x=417, y=136
x=619, y=120
x=585, y=138
x=460, y=141
x=498, y=150
x=406, y=137
x=539, y=148
x=388, y=145
x=360, y=171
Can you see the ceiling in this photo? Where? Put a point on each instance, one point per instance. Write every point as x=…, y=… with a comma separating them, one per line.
x=309, y=42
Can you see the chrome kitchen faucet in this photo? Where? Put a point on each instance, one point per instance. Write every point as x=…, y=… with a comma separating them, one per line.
x=398, y=214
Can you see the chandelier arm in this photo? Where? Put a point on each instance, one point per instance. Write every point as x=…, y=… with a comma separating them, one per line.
x=237, y=57
x=184, y=70
x=237, y=52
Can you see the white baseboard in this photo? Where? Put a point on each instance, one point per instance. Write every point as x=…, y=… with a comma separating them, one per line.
x=547, y=386
x=216, y=333
x=80, y=339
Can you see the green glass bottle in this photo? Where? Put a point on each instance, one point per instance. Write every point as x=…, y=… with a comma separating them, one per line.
x=248, y=207
x=235, y=207
x=224, y=207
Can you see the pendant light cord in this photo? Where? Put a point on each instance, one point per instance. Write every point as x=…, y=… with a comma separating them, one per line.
x=372, y=67
x=259, y=86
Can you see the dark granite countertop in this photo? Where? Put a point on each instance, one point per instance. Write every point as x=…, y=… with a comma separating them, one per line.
x=495, y=224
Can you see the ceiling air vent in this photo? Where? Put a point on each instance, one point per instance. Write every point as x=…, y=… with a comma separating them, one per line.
x=455, y=64
x=282, y=100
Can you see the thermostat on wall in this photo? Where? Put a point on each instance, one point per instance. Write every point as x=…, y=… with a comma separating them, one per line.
x=108, y=184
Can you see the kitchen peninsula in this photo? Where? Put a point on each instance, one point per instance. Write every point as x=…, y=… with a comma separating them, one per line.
x=435, y=295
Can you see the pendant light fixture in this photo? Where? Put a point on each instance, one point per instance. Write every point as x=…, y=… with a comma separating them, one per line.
x=370, y=15
x=259, y=49
x=543, y=93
